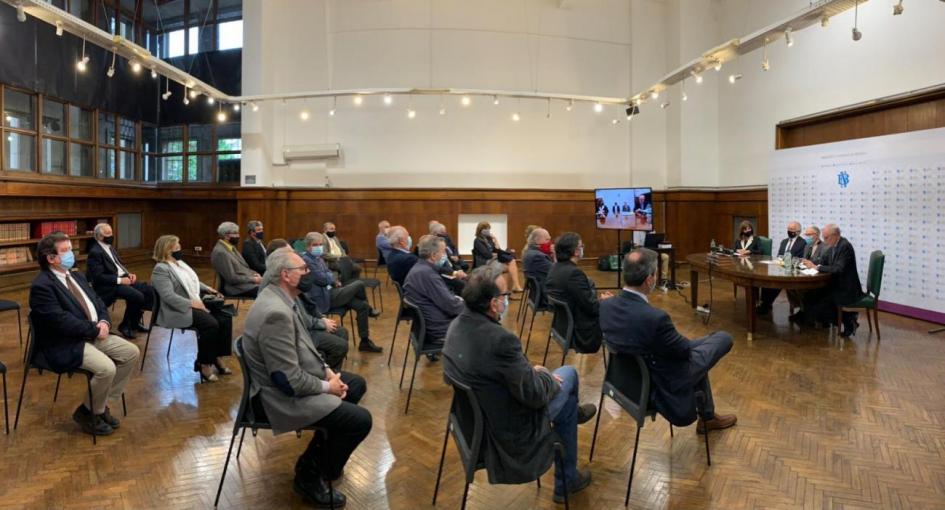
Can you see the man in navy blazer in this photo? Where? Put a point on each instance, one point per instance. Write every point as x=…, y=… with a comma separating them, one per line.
x=678, y=366
x=400, y=260
x=793, y=244
x=71, y=330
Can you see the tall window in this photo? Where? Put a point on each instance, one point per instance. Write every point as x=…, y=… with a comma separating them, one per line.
x=81, y=144
x=230, y=35
x=19, y=133
x=54, y=137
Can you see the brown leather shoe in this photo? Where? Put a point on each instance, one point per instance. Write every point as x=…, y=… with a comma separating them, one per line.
x=719, y=422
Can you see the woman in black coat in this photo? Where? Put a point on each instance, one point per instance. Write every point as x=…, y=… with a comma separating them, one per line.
x=747, y=243
x=486, y=248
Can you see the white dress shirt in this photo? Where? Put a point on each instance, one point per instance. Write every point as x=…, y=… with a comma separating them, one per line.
x=188, y=277
x=121, y=268
x=642, y=295
x=62, y=277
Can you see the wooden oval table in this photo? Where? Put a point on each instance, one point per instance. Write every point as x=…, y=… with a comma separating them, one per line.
x=752, y=273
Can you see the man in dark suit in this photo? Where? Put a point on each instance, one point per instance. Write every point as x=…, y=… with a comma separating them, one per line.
x=815, y=249
x=519, y=402
x=844, y=288
x=338, y=257
x=111, y=280
x=400, y=259
x=70, y=328
x=792, y=244
x=566, y=282
x=426, y=288
x=452, y=252
x=254, y=251
x=678, y=366
x=538, y=259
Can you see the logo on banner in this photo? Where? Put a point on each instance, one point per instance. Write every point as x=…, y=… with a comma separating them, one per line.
x=843, y=179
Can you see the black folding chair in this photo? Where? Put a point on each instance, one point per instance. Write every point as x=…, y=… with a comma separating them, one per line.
x=562, y=330
x=418, y=339
x=341, y=313
x=154, y=314
x=375, y=286
x=6, y=413
x=465, y=405
x=402, y=316
x=627, y=382
x=531, y=301
x=9, y=306
x=218, y=284
x=246, y=419
x=35, y=359
x=381, y=262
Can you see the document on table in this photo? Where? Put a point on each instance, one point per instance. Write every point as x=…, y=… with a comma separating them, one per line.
x=769, y=261
x=811, y=271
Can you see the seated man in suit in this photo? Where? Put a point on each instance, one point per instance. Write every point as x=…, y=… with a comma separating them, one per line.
x=844, y=288
x=792, y=244
x=70, y=328
x=293, y=386
x=454, y=270
x=452, y=252
x=425, y=288
x=519, y=402
x=338, y=257
x=111, y=280
x=328, y=292
x=678, y=366
x=538, y=259
x=814, y=250
x=566, y=282
x=400, y=260
x=237, y=279
x=254, y=251
x=381, y=241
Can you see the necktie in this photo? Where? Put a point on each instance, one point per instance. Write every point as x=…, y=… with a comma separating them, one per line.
x=77, y=294
x=121, y=269
x=790, y=243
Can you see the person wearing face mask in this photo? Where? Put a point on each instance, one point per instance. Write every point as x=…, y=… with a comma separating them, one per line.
x=381, y=241
x=237, y=279
x=293, y=386
x=111, y=280
x=566, y=282
x=526, y=408
x=182, y=306
x=815, y=249
x=452, y=252
x=254, y=251
x=70, y=328
x=400, y=260
x=328, y=292
x=678, y=366
x=425, y=288
x=538, y=259
x=746, y=244
x=793, y=244
x=338, y=257
x=486, y=248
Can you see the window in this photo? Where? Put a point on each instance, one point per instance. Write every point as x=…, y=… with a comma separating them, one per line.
x=171, y=169
x=200, y=138
x=200, y=168
x=229, y=145
x=80, y=123
x=106, y=163
x=127, y=137
x=19, y=151
x=54, y=157
x=193, y=36
x=126, y=165
x=18, y=109
x=174, y=44
x=80, y=160
x=54, y=118
x=106, y=129
x=230, y=35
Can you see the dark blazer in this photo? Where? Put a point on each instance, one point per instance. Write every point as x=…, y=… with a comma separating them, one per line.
x=399, y=263
x=797, y=250
x=320, y=293
x=816, y=252
x=453, y=251
x=60, y=327
x=425, y=288
x=517, y=440
x=255, y=254
x=840, y=262
x=537, y=265
x=754, y=247
x=566, y=282
x=632, y=326
x=102, y=273
x=484, y=249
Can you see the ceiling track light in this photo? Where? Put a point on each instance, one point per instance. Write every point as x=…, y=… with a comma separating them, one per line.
x=186, y=99
x=696, y=76
x=388, y=99
x=857, y=35
x=334, y=106
x=111, y=68
x=411, y=113
x=221, y=115
x=254, y=107
x=193, y=93
x=598, y=107
x=788, y=38
x=825, y=21
x=465, y=101
x=570, y=105
x=20, y=13
x=210, y=100
x=897, y=9
x=82, y=64
x=59, y=28
x=654, y=94
x=732, y=78
x=442, y=107
x=717, y=66
x=303, y=115
x=167, y=93
x=614, y=121
x=154, y=74
x=682, y=95
x=765, y=65
x=357, y=100
x=135, y=66
x=237, y=107
x=495, y=100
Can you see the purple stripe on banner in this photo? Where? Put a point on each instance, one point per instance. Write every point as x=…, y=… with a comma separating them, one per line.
x=911, y=311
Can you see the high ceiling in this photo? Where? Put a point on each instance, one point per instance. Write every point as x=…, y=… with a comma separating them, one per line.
x=169, y=11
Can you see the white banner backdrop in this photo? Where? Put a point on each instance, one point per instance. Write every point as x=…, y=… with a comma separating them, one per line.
x=886, y=193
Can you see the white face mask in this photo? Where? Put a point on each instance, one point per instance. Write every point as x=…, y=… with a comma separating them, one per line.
x=505, y=307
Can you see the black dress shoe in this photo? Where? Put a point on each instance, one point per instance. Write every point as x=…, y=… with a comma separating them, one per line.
x=367, y=345
x=314, y=490
x=141, y=329
x=91, y=424
x=109, y=419
x=585, y=412
x=583, y=480
x=849, y=329
x=762, y=310
x=374, y=313
x=127, y=332
x=433, y=357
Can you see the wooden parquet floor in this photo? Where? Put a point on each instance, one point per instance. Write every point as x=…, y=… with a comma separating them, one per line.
x=819, y=427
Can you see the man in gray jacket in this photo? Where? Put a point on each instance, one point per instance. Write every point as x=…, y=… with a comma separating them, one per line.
x=294, y=387
x=237, y=279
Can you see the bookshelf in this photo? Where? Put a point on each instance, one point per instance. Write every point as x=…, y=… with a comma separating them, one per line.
x=19, y=235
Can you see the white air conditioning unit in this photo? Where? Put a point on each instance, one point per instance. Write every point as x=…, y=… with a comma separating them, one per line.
x=311, y=152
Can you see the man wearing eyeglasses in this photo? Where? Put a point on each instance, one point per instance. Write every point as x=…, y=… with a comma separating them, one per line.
x=425, y=287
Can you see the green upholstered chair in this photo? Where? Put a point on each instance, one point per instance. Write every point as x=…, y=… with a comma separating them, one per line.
x=765, y=244
x=870, y=300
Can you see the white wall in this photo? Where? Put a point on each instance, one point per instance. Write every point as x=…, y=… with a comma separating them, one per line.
x=574, y=46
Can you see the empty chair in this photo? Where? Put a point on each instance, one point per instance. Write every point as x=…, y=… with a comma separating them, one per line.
x=418, y=334
x=870, y=300
x=562, y=330
x=402, y=316
x=6, y=414
x=9, y=306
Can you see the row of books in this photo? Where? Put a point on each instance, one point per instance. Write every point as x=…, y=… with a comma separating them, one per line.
x=14, y=231
x=43, y=228
x=15, y=255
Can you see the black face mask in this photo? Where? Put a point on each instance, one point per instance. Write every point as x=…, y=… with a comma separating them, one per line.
x=233, y=240
x=791, y=235
x=306, y=282
x=330, y=234
x=179, y=254
x=747, y=233
x=108, y=239
x=259, y=235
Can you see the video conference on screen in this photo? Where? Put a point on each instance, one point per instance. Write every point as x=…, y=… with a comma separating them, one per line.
x=624, y=208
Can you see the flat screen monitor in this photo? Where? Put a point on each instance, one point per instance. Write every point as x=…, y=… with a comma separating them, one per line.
x=624, y=208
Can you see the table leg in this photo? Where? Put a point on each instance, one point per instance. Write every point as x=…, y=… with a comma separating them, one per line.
x=672, y=270
x=693, y=287
x=751, y=296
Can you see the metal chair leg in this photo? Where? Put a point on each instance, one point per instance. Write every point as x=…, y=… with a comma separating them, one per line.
x=56, y=393
x=19, y=325
x=393, y=338
x=600, y=407
x=6, y=412
x=226, y=464
x=16, y=421
x=670, y=430
x=124, y=407
x=413, y=376
x=88, y=381
x=403, y=369
x=544, y=360
x=144, y=354
x=240, y=448
x=633, y=463
x=521, y=324
x=170, y=341
x=531, y=326
x=465, y=494
x=876, y=320
x=439, y=472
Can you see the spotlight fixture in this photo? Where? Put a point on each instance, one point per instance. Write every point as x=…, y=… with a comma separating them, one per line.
x=857, y=35
x=442, y=110
x=696, y=76
x=615, y=121
x=236, y=107
x=598, y=107
x=111, y=68
x=654, y=94
x=632, y=110
x=495, y=100
x=334, y=106
x=825, y=21
x=683, y=96
x=59, y=28
x=254, y=106
x=358, y=100
x=665, y=105
x=718, y=65
x=303, y=115
x=154, y=73
x=732, y=78
x=411, y=113
x=570, y=105
x=388, y=99
x=465, y=101
x=186, y=100
x=210, y=100
x=788, y=39
x=20, y=13
x=167, y=93
x=82, y=64
x=135, y=66
x=516, y=117
x=194, y=94
x=221, y=117
x=765, y=65
x=897, y=9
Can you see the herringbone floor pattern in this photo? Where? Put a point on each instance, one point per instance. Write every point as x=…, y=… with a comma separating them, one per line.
x=820, y=426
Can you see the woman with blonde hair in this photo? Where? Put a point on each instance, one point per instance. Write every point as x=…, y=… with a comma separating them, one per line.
x=183, y=306
x=486, y=248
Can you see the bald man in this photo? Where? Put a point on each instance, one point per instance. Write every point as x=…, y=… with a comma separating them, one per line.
x=792, y=244
x=840, y=262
